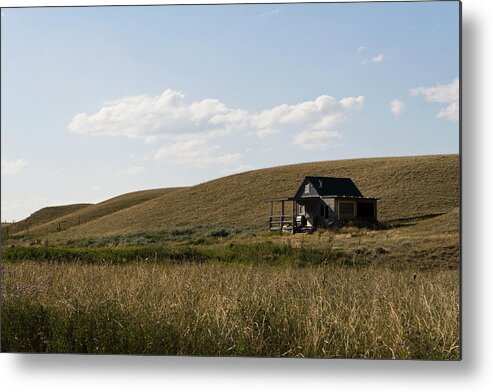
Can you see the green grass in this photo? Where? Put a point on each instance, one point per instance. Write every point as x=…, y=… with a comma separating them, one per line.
x=264, y=252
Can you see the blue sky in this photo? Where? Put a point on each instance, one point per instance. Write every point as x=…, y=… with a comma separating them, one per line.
x=101, y=101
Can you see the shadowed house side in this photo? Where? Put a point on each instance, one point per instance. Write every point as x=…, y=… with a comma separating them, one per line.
x=322, y=202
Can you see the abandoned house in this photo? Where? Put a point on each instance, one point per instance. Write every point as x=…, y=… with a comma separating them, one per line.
x=321, y=202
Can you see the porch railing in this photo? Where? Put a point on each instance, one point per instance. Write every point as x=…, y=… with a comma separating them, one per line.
x=281, y=222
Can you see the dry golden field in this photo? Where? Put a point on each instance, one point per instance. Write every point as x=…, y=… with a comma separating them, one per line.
x=231, y=310
x=193, y=271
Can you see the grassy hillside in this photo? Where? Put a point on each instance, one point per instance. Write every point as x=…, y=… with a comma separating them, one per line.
x=408, y=187
x=45, y=215
x=87, y=212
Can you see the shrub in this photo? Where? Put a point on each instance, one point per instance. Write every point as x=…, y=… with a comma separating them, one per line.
x=221, y=233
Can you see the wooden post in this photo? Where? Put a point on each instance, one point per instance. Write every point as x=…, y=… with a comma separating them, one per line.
x=294, y=215
x=271, y=213
x=282, y=215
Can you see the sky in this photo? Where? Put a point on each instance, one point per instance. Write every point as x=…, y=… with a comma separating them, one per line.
x=99, y=101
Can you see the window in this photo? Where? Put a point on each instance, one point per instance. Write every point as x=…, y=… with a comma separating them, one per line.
x=301, y=210
x=307, y=188
x=346, y=209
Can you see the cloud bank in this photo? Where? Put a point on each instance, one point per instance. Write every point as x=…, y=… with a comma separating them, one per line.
x=442, y=93
x=190, y=131
x=168, y=115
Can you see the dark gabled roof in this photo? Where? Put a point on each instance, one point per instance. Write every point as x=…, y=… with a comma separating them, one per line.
x=333, y=186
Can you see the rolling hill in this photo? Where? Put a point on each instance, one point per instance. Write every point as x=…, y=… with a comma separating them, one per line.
x=406, y=186
x=45, y=215
x=52, y=219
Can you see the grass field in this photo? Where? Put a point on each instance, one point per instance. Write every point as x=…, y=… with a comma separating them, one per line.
x=138, y=278
x=217, y=309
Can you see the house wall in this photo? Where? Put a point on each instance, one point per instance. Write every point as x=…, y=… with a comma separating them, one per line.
x=313, y=211
x=331, y=202
x=342, y=213
x=302, y=191
x=346, y=215
x=360, y=211
x=335, y=209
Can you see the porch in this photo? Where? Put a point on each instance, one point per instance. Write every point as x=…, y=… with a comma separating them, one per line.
x=285, y=217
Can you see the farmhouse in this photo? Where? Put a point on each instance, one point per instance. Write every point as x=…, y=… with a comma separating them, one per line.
x=321, y=202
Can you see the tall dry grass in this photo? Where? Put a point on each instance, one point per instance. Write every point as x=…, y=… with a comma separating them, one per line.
x=217, y=309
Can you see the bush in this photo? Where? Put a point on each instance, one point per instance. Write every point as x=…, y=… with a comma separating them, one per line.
x=221, y=233
x=379, y=250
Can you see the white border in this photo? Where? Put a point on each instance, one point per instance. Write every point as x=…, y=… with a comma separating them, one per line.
x=127, y=373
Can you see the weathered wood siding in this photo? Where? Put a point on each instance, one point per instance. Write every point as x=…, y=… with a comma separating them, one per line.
x=331, y=203
x=302, y=192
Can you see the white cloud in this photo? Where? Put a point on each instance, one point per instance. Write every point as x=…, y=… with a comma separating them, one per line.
x=360, y=48
x=397, y=107
x=268, y=14
x=130, y=171
x=451, y=112
x=315, y=140
x=378, y=59
x=442, y=93
x=323, y=113
x=151, y=117
x=169, y=116
x=239, y=169
x=13, y=167
x=196, y=153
